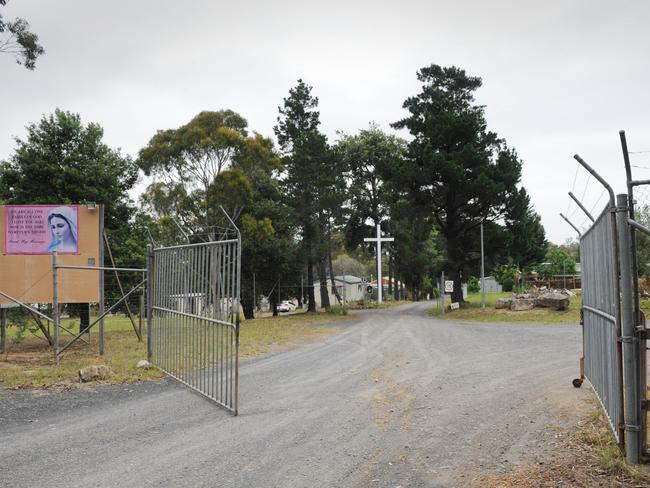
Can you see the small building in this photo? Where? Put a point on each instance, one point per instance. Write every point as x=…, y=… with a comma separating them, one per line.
x=491, y=285
x=350, y=289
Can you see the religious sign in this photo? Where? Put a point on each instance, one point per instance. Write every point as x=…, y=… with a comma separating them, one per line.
x=41, y=229
x=378, y=240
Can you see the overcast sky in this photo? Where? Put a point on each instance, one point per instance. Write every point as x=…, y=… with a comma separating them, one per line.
x=559, y=77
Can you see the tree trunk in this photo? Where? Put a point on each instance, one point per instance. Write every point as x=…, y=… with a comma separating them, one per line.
x=311, y=296
x=322, y=276
x=84, y=316
x=457, y=294
x=273, y=302
x=455, y=263
x=331, y=268
x=247, y=306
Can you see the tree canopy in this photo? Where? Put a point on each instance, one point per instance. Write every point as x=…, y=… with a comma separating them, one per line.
x=455, y=168
x=18, y=40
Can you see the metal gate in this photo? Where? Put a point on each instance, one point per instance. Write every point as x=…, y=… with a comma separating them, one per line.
x=601, y=316
x=194, y=316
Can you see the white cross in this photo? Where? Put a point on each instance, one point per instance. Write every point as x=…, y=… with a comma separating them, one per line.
x=378, y=240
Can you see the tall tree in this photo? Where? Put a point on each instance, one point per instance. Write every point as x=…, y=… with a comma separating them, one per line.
x=185, y=162
x=526, y=238
x=367, y=155
x=16, y=39
x=313, y=183
x=459, y=171
x=63, y=161
x=212, y=162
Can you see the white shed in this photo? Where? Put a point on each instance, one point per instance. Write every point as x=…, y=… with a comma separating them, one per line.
x=350, y=289
x=491, y=285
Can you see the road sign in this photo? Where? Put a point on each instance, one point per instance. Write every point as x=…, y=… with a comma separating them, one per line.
x=449, y=286
x=369, y=289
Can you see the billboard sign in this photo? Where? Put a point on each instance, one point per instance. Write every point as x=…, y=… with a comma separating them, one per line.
x=41, y=229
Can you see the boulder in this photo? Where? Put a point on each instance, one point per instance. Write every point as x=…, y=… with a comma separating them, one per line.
x=143, y=363
x=558, y=301
x=524, y=295
x=503, y=303
x=521, y=304
x=92, y=373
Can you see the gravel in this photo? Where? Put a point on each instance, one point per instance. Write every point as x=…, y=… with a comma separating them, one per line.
x=395, y=399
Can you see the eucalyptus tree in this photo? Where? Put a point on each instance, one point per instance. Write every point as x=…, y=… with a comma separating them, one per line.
x=18, y=40
x=213, y=162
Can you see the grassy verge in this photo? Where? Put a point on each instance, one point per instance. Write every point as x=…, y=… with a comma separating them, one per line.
x=472, y=312
x=29, y=363
x=585, y=456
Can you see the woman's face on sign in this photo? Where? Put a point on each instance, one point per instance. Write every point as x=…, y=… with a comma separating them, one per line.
x=59, y=228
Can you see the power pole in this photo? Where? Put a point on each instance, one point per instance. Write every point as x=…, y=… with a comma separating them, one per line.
x=482, y=270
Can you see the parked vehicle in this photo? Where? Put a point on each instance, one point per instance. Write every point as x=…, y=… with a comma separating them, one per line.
x=286, y=306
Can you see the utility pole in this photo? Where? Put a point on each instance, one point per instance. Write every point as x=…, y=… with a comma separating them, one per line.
x=482, y=271
x=254, y=296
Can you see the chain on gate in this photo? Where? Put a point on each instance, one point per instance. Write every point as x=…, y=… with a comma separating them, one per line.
x=194, y=310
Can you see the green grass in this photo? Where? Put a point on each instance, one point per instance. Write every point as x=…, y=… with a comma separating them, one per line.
x=472, y=312
x=608, y=459
x=29, y=363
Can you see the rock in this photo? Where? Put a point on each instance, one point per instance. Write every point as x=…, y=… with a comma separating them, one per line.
x=521, y=304
x=524, y=295
x=143, y=363
x=555, y=300
x=503, y=303
x=92, y=373
x=568, y=293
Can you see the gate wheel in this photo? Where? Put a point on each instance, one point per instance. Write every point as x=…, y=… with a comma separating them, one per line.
x=577, y=382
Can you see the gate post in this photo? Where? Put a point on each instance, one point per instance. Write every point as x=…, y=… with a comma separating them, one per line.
x=55, y=304
x=629, y=335
x=150, y=265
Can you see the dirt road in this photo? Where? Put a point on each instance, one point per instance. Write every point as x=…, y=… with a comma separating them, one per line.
x=396, y=399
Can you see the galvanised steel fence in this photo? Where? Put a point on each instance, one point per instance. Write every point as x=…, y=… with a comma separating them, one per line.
x=194, y=316
x=612, y=253
x=601, y=317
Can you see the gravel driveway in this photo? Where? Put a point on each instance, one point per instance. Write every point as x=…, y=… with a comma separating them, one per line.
x=397, y=399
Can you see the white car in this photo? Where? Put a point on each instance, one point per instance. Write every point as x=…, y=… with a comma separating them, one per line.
x=286, y=306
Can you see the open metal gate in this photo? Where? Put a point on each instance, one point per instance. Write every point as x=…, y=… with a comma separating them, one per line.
x=601, y=316
x=193, y=312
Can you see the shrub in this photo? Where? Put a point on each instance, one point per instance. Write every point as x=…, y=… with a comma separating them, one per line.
x=473, y=285
x=506, y=275
x=337, y=310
